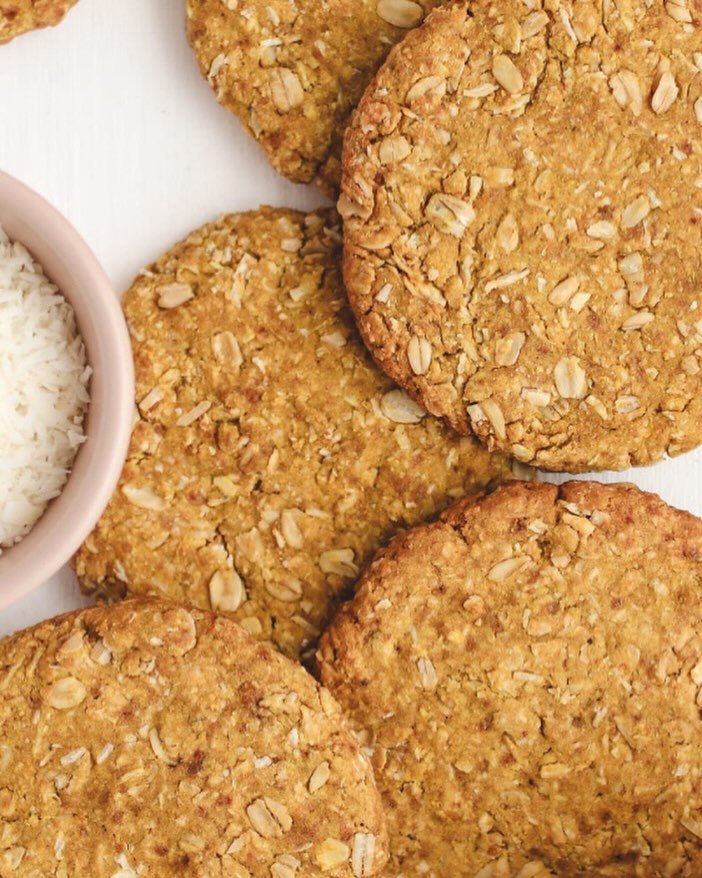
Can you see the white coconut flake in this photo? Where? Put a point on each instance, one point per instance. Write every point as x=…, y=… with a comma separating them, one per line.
x=44, y=380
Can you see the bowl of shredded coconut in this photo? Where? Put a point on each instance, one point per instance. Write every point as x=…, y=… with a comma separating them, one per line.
x=66, y=381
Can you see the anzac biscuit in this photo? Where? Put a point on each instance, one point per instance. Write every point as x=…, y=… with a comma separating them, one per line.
x=146, y=739
x=526, y=673
x=523, y=205
x=293, y=72
x=19, y=16
x=270, y=458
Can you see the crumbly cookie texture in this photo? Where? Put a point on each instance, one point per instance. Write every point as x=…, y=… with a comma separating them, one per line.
x=270, y=459
x=19, y=16
x=146, y=738
x=526, y=674
x=522, y=195
x=294, y=71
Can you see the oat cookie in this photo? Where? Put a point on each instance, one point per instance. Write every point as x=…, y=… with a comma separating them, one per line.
x=523, y=206
x=19, y=16
x=293, y=72
x=148, y=739
x=527, y=675
x=270, y=458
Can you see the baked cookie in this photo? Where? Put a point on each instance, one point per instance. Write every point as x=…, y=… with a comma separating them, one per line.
x=523, y=223
x=527, y=673
x=147, y=739
x=270, y=458
x=19, y=16
x=293, y=72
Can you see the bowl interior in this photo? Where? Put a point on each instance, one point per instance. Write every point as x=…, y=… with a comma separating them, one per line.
x=69, y=263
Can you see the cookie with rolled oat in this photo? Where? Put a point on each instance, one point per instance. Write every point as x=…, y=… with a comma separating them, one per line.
x=19, y=16
x=522, y=195
x=270, y=459
x=293, y=72
x=145, y=738
x=526, y=674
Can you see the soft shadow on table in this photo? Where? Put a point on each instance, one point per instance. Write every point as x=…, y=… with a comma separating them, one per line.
x=46, y=601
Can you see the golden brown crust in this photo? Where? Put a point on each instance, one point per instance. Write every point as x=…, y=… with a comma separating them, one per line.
x=265, y=468
x=19, y=16
x=146, y=738
x=523, y=184
x=294, y=72
x=527, y=673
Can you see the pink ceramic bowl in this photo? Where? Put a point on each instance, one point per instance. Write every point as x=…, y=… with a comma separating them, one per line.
x=70, y=264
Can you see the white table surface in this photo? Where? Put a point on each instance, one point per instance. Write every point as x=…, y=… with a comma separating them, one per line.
x=107, y=116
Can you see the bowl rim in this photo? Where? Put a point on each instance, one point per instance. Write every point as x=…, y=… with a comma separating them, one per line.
x=105, y=302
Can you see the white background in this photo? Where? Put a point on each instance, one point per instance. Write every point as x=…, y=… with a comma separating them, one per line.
x=107, y=117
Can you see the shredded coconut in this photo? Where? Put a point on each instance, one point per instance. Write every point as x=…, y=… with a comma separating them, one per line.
x=43, y=391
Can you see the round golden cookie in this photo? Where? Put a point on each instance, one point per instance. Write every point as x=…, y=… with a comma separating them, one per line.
x=293, y=72
x=523, y=215
x=19, y=16
x=145, y=738
x=270, y=458
x=526, y=673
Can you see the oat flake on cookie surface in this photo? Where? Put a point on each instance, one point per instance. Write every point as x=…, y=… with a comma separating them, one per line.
x=527, y=675
x=524, y=181
x=270, y=458
x=293, y=70
x=19, y=16
x=147, y=739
